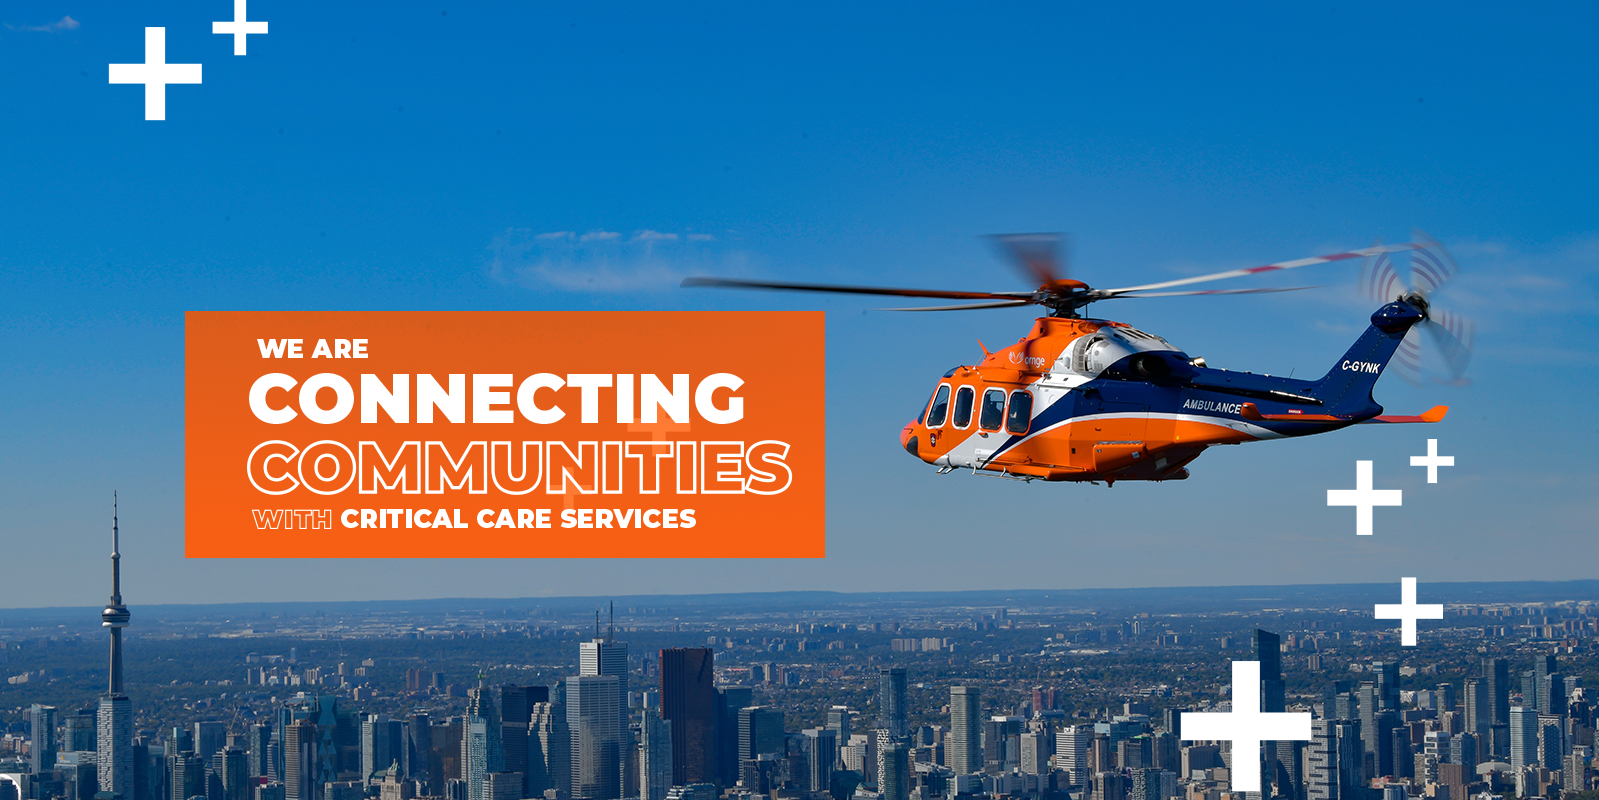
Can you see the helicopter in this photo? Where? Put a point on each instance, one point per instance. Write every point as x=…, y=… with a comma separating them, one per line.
x=1088, y=400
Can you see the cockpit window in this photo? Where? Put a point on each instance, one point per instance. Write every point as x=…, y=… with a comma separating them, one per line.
x=993, y=410
x=1021, y=412
x=964, y=397
x=940, y=409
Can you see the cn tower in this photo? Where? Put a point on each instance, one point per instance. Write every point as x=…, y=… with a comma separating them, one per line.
x=114, y=755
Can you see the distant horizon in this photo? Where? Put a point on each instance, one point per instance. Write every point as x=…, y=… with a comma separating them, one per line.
x=1496, y=591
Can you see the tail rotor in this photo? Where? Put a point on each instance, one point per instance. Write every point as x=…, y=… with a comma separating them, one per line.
x=1452, y=335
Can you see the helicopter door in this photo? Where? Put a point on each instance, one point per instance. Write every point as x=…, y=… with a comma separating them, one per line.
x=1105, y=417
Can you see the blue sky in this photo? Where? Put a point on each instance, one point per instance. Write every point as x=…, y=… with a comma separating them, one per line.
x=409, y=157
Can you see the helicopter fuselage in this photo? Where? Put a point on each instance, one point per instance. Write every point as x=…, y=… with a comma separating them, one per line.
x=1096, y=400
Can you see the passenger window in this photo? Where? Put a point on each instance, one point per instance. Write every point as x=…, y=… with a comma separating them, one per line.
x=1021, y=412
x=940, y=407
x=993, y=410
x=964, y=397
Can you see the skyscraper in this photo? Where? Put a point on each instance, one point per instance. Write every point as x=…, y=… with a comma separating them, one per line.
x=821, y=753
x=606, y=656
x=235, y=774
x=114, y=751
x=964, y=750
x=549, y=750
x=1387, y=673
x=595, y=724
x=1273, y=698
x=894, y=769
x=655, y=756
x=1523, y=737
x=729, y=701
x=1543, y=665
x=1496, y=673
x=516, y=708
x=893, y=716
x=299, y=761
x=257, y=739
x=482, y=750
x=1335, y=761
x=42, y=738
x=688, y=704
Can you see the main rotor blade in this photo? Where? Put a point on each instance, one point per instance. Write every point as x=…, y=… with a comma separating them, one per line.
x=733, y=283
x=1379, y=281
x=1211, y=291
x=1037, y=255
x=967, y=307
x=1281, y=265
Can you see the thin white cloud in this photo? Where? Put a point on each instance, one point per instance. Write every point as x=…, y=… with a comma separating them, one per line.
x=701, y=237
x=64, y=24
x=603, y=261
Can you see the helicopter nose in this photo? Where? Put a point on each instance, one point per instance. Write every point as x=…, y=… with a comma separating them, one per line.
x=907, y=440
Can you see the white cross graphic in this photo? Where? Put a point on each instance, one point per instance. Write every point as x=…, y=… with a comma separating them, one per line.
x=1246, y=727
x=1408, y=611
x=1432, y=461
x=240, y=27
x=1363, y=498
x=155, y=73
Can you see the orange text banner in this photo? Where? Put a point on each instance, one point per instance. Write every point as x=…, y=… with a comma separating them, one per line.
x=518, y=434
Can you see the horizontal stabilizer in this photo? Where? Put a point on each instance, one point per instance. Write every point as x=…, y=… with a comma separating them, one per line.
x=1250, y=411
x=1434, y=414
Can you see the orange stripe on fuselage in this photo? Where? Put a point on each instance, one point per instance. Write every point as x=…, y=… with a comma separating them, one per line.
x=1069, y=445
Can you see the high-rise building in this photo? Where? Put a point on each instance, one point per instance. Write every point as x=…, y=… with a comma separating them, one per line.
x=299, y=761
x=1071, y=751
x=1543, y=665
x=688, y=704
x=729, y=701
x=1387, y=673
x=894, y=769
x=516, y=705
x=482, y=750
x=1523, y=737
x=418, y=733
x=1268, y=651
x=760, y=732
x=78, y=731
x=209, y=739
x=186, y=773
x=821, y=754
x=1478, y=706
x=42, y=738
x=549, y=750
x=1496, y=673
x=1335, y=761
x=235, y=774
x=1551, y=741
x=964, y=750
x=1037, y=747
x=894, y=716
x=382, y=745
x=114, y=751
x=257, y=739
x=838, y=722
x=655, y=756
x=606, y=656
x=594, y=721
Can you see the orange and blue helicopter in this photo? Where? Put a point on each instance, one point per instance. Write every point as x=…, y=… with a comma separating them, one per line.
x=1091, y=400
